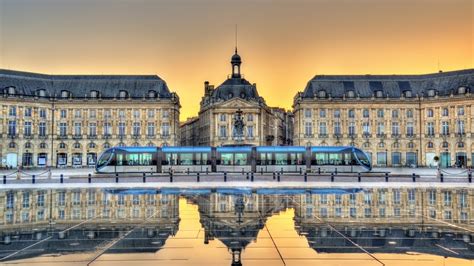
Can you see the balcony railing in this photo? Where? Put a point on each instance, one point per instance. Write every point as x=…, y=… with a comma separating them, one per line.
x=77, y=137
x=91, y=136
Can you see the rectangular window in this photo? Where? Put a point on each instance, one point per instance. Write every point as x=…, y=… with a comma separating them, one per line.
x=42, y=113
x=380, y=113
x=250, y=131
x=447, y=198
x=430, y=129
x=322, y=128
x=27, y=129
x=92, y=129
x=77, y=113
x=92, y=113
x=395, y=129
x=11, y=128
x=63, y=113
x=307, y=113
x=337, y=128
x=136, y=113
x=445, y=128
x=28, y=111
x=460, y=127
x=63, y=129
x=12, y=111
x=121, y=129
x=107, y=114
x=432, y=197
x=352, y=129
x=136, y=128
x=396, y=158
x=410, y=129
x=396, y=196
x=337, y=113
x=223, y=131
x=308, y=129
x=461, y=110
x=77, y=129
x=42, y=129
x=122, y=113
x=107, y=129
x=165, y=129
x=151, y=113
x=166, y=113
x=380, y=128
x=322, y=112
x=366, y=127
x=151, y=129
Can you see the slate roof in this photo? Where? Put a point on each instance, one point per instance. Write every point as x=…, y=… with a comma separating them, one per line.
x=236, y=87
x=109, y=86
x=365, y=86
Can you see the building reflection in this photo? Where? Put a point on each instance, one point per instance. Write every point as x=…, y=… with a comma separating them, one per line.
x=94, y=221
x=85, y=221
x=236, y=217
x=386, y=220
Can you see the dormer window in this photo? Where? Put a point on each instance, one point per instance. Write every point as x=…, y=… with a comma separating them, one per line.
x=94, y=94
x=230, y=96
x=462, y=90
x=151, y=94
x=64, y=94
x=431, y=92
x=123, y=94
x=379, y=94
x=41, y=93
x=407, y=94
x=11, y=91
x=322, y=94
x=242, y=95
x=350, y=94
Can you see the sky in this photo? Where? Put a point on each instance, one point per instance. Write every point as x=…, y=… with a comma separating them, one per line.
x=283, y=44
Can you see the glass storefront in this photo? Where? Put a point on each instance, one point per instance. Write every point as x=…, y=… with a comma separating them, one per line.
x=411, y=159
x=396, y=158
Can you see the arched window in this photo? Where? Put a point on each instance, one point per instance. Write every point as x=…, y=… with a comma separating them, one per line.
x=94, y=94
x=230, y=96
x=106, y=145
x=396, y=145
x=379, y=94
x=381, y=145
x=11, y=90
x=322, y=94
x=92, y=145
x=445, y=144
x=366, y=145
x=43, y=145
x=462, y=90
x=62, y=145
x=350, y=94
x=11, y=145
x=410, y=145
x=429, y=113
x=123, y=94
x=460, y=144
x=28, y=145
x=407, y=94
x=431, y=92
x=41, y=93
x=151, y=94
x=64, y=94
x=430, y=145
x=77, y=145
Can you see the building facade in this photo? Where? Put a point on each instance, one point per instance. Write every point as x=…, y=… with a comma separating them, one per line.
x=235, y=114
x=399, y=120
x=68, y=120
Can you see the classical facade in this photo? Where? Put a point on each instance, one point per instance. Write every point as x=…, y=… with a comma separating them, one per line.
x=399, y=120
x=68, y=120
x=235, y=114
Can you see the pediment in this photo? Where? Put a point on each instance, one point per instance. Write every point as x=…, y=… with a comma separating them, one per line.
x=238, y=103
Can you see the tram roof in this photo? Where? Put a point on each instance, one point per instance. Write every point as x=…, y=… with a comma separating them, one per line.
x=137, y=149
x=186, y=149
x=281, y=149
x=235, y=149
x=330, y=148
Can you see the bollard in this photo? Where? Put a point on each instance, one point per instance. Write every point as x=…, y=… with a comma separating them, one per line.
x=207, y=171
x=116, y=178
x=243, y=172
x=198, y=177
x=247, y=176
x=278, y=176
x=469, y=176
x=61, y=178
x=33, y=179
x=144, y=178
x=305, y=177
x=4, y=179
x=251, y=176
x=282, y=170
x=225, y=176
x=89, y=178
x=273, y=175
x=261, y=171
x=332, y=177
x=413, y=176
x=359, y=179
x=335, y=171
x=171, y=177
x=187, y=170
x=442, y=178
x=319, y=170
x=386, y=176
x=301, y=171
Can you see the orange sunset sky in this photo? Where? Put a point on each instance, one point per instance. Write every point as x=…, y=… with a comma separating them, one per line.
x=283, y=44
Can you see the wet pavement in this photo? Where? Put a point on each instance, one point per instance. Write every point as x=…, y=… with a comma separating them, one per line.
x=237, y=226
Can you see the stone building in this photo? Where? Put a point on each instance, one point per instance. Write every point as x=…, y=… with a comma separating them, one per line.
x=399, y=120
x=68, y=120
x=189, y=133
x=234, y=114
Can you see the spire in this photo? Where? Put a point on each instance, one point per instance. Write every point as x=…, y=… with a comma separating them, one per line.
x=235, y=38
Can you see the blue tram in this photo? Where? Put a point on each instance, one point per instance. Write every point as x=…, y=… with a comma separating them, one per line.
x=233, y=159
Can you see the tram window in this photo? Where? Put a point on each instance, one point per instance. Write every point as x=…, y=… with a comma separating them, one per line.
x=185, y=158
x=139, y=159
x=240, y=159
x=119, y=157
x=281, y=159
x=296, y=159
x=335, y=158
x=347, y=158
x=362, y=157
x=205, y=159
x=104, y=159
x=170, y=159
x=321, y=158
x=226, y=158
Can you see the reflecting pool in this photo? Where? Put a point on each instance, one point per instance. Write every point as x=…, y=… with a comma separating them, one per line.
x=106, y=226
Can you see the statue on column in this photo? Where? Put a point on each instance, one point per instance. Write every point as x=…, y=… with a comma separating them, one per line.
x=238, y=129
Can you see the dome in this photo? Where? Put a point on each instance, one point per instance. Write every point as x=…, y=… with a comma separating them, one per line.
x=236, y=59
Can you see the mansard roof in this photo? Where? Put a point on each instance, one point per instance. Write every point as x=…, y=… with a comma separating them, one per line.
x=109, y=86
x=236, y=87
x=393, y=86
